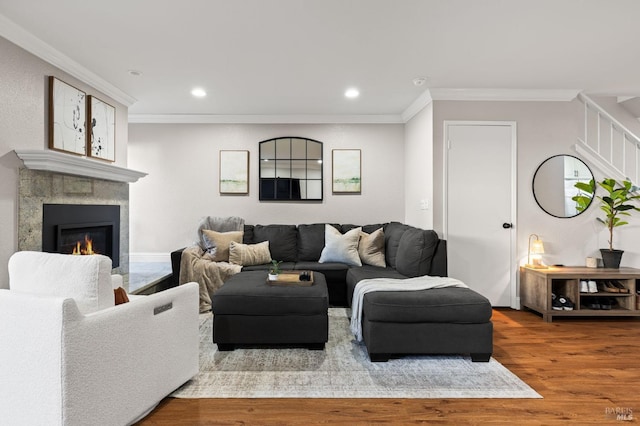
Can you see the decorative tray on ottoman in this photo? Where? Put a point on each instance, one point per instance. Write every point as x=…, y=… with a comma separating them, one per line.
x=293, y=278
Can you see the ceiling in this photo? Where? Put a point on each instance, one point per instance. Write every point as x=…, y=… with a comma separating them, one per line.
x=297, y=57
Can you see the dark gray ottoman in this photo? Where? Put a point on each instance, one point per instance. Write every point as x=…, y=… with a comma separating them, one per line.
x=248, y=311
x=435, y=321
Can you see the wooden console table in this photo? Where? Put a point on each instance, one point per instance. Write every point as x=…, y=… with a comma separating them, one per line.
x=537, y=285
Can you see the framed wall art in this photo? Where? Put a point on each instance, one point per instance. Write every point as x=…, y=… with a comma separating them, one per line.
x=346, y=171
x=101, y=138
x=234, y=172
x=67, y=118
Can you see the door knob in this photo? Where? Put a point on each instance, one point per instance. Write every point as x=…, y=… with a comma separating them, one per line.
x=507, y=225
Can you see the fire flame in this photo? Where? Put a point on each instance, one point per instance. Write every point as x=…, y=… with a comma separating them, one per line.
x=87, y=248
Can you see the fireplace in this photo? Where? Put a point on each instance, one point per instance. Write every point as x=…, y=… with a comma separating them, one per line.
x=82, y=229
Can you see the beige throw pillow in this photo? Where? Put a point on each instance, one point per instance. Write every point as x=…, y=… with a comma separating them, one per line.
x=371, y=248
x=249, y=254
x=222, y=240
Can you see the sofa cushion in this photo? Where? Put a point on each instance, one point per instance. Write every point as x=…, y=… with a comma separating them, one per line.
x=247, y=237
x=283, y=240
x=355, y=275
x=285, y=266
x=249, y=254
x=365, y=228
x=392, y=234
x=311, y=241
x=439, y=305
x=415, y=252
x=220, y=241
x=341, y=248
x=371, y=248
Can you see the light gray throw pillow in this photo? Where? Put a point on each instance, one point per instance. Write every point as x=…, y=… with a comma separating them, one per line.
x=342, y=248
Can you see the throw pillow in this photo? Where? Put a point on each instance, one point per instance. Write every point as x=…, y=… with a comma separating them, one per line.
x=371, y=248
x=249, y=254
x=221, y=240
x=341, y=248
x=120, y=296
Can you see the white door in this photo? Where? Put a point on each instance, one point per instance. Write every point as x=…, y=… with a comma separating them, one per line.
x=480, y=207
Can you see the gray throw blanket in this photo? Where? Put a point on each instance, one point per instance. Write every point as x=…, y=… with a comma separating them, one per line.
x=391, y=284
x=218, y=224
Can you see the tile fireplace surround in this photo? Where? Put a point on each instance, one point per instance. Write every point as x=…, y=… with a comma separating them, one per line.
x=38, y=187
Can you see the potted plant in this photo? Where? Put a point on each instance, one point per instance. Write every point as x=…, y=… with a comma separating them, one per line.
x=274, y=270
x=618, y=201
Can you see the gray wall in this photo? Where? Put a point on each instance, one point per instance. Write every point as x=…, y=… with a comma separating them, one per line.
x=23, y=125
x=182, y=185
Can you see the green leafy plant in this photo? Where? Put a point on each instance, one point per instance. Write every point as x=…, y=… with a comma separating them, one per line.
x=585, y=195
x=617, y=202
x=275, y=267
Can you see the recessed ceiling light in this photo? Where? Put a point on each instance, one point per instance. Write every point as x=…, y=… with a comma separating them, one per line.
x=352, y=93
x=198, y=92
x=135, y=73
x=419, y=81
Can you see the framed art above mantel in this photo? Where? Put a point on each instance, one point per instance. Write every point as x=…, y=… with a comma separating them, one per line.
x=67, y=118
x=101, y=139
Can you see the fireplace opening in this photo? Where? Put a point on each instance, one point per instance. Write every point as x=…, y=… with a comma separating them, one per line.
x=73, y=227
x=85, y=239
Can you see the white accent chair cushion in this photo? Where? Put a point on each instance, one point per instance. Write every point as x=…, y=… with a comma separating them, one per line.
x=85, y=279
x=109, y=367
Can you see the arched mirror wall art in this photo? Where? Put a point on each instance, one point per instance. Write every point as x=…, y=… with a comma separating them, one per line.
x=554, y=186
x=291, y=169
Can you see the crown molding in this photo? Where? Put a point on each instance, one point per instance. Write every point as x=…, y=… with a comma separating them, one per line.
x=525, y=95
x=416, y=106
x=263, y=119
x=19, y=36
x=53, y=161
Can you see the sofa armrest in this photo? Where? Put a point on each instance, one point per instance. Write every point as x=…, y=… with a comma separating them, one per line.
x=176, y=258
x=439, y=261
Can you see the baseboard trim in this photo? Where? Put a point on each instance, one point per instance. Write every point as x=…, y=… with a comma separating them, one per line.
x=150, y=257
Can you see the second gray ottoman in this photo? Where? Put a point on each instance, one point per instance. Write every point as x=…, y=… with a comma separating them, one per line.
x=248, y=311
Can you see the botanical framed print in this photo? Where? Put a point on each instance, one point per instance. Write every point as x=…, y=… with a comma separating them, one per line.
x=67, y=118
x=346, y=171
x=234, y=172
x=102, y=130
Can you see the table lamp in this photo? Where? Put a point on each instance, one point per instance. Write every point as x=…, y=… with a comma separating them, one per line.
x=536, y=249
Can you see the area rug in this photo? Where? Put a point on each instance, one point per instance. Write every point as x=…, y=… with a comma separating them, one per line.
x=342, y=370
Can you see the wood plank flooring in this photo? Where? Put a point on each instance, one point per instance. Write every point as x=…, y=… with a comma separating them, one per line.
x=586, y=370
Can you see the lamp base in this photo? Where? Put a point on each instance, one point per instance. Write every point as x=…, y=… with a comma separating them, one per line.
x=536, y=266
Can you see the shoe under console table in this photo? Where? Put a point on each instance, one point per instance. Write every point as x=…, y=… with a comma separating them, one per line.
x=538, y=285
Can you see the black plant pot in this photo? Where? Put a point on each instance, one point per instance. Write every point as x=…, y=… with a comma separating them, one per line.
x=611, y=258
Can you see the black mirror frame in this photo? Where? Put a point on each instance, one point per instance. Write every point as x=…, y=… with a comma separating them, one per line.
x=533, y=182
x=288, y=182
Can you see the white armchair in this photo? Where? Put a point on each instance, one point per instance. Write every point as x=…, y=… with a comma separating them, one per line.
x=68, y=356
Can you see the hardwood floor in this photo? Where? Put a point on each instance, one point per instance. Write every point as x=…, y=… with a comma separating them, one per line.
x=586, y=370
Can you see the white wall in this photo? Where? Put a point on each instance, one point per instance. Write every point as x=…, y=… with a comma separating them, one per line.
x=418, y=161
x=182, y=185
x=23, y=125
x=544, y=129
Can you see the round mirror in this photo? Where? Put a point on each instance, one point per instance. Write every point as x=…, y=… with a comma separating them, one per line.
x=554, y=186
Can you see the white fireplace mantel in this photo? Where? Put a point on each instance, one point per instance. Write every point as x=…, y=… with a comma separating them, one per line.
x=54, y=161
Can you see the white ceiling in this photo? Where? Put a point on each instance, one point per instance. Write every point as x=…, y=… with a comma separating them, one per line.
x=297, y=57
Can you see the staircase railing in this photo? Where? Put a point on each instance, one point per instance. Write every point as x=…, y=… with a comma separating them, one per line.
x=609, y=144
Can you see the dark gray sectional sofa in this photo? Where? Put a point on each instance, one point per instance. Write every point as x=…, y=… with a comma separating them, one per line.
x=435, y=321
x=409, y=252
